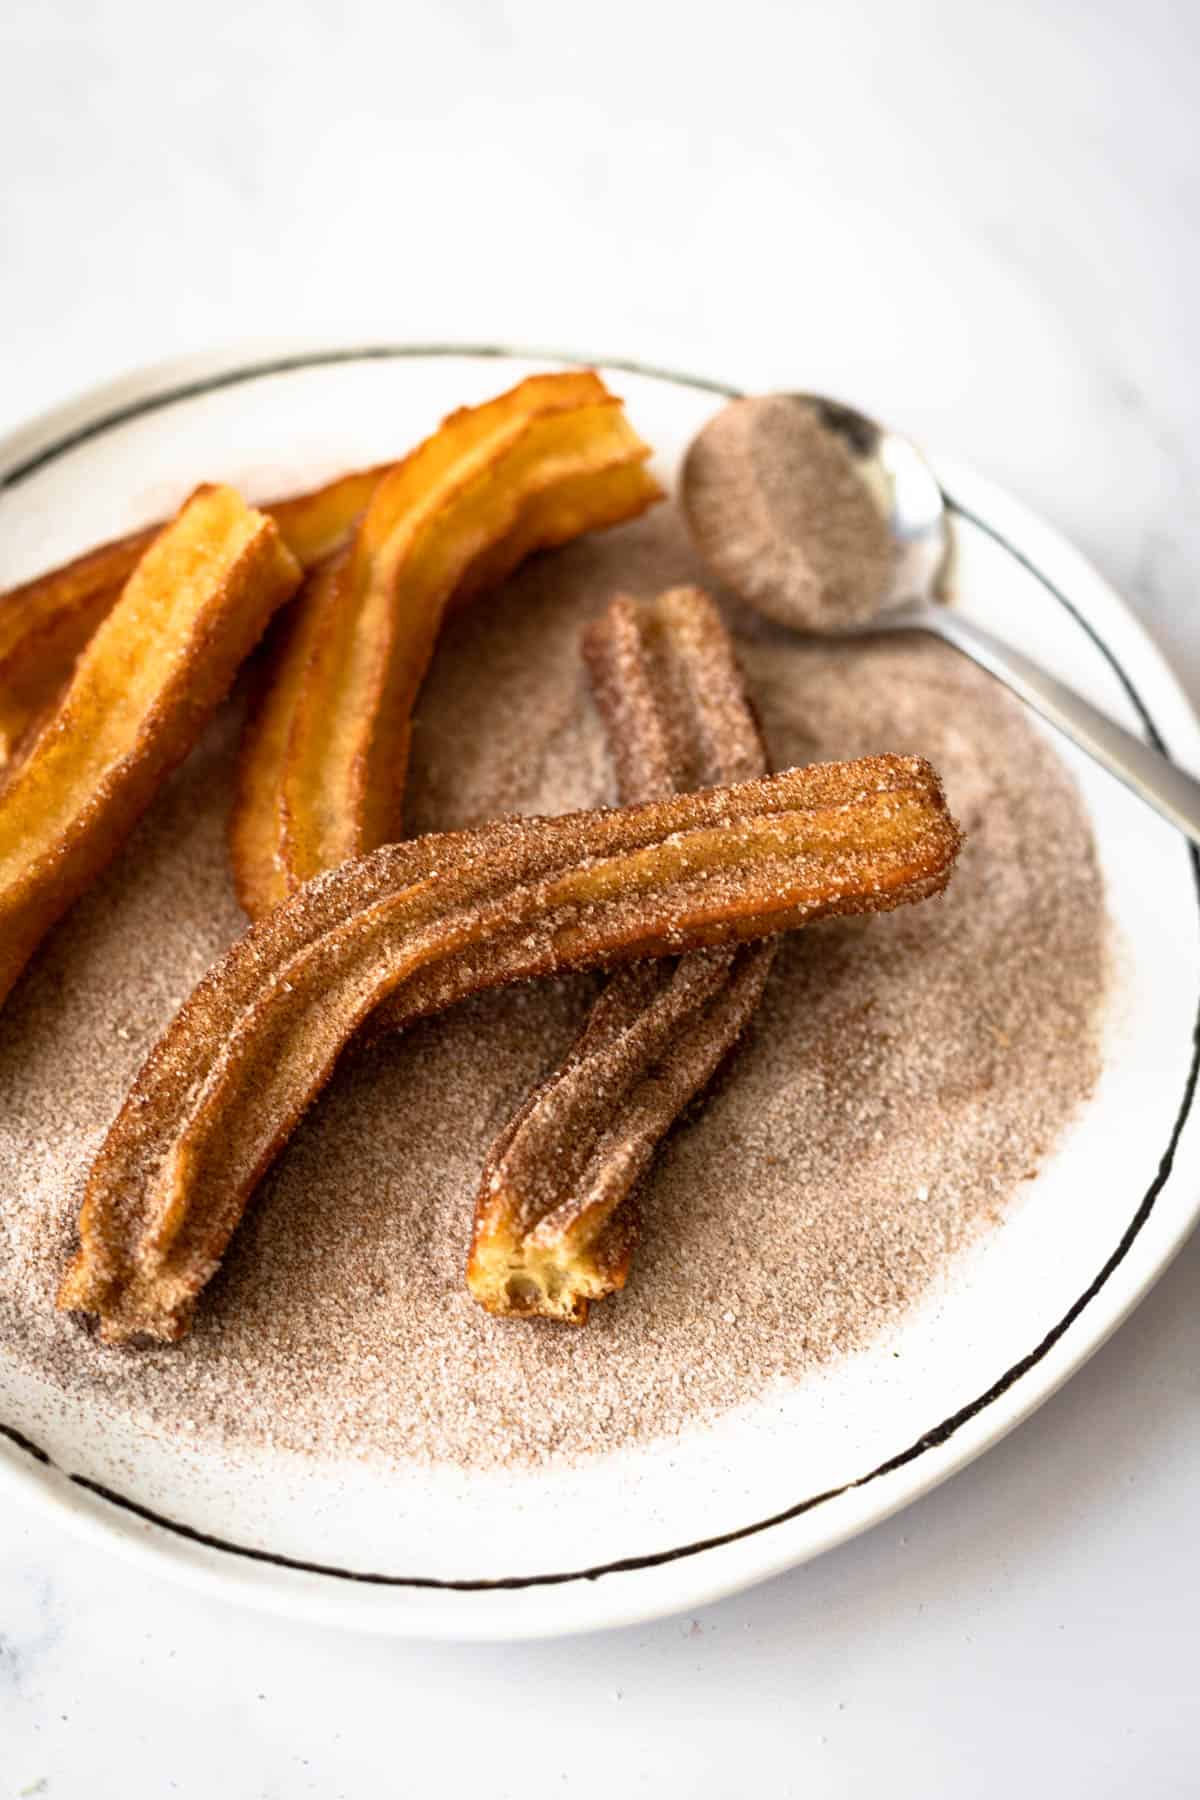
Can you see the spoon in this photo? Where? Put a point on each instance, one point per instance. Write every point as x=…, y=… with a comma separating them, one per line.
x=903, y=482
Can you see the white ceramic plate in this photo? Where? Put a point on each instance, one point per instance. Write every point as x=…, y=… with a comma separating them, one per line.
x=683, y=1521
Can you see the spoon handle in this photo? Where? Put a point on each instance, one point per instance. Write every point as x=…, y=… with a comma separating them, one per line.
x=1171, y=791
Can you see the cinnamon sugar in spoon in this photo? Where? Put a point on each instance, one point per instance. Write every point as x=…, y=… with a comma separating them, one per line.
x=826, y=522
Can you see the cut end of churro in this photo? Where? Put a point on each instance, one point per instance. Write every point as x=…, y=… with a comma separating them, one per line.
x=137, y=1312
x=516, y=1278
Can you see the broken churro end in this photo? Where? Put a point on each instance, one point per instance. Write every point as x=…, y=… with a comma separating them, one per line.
x=514, y=1277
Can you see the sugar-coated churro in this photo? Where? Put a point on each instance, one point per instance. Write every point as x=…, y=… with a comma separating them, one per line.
x=159, y=663
x=555, y=1225
x=427, y=923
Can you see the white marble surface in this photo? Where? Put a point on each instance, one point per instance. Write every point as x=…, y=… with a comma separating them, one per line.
x=981, y=221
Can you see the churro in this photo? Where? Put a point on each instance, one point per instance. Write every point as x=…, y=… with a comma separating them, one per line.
x=323, y=769
x=427, y=923
x=555, y=1227
x=156, y=668
x=45, y=623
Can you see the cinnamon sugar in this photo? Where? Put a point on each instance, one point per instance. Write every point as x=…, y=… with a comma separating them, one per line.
x=901, y=1079
x=782, y=511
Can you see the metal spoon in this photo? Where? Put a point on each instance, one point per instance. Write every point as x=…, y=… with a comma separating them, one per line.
x=899, y=475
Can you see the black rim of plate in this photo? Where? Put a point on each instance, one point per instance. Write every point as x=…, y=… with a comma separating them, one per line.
x=940, y=1433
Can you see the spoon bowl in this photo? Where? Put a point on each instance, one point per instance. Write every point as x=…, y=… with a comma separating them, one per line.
x=910, y=497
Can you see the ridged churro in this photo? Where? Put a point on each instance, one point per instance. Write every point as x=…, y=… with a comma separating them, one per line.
x=45, y=623
x=322, y=774
x=427, y=923
x=554, y=1225
x=142, y=692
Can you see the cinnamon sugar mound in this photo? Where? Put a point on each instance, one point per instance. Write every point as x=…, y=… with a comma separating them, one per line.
x=901, y=1079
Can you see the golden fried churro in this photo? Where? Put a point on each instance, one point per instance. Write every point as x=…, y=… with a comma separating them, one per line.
x=154, y=671
x=425, y=924
x=323, y=767
x=554, y=1225
x=45, y=623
